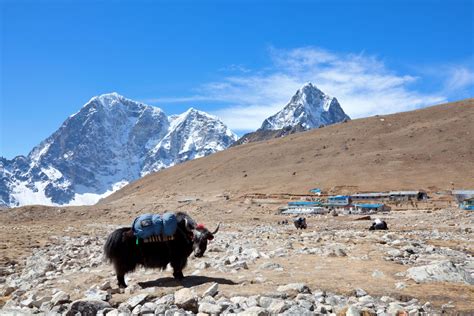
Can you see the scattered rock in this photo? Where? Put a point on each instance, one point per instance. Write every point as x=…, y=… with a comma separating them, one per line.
x=59, y=298
x=86, y=307
x=186, y=299
x=212, y=290
x=135, y=300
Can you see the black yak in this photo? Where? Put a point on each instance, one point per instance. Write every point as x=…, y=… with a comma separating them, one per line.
x=378, y=225
x=126, y=251
x=300, y=223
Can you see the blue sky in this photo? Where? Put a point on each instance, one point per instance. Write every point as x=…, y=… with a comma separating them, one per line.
x=240, y=60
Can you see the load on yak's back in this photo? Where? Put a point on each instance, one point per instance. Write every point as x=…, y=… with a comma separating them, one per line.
x=151, y=227
x=154, y=241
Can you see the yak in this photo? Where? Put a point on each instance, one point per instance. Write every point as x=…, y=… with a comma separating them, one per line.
x=300, y=223
x=378, y=225
x=125, y=251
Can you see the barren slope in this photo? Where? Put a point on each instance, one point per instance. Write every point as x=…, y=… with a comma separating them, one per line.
x=429, y=148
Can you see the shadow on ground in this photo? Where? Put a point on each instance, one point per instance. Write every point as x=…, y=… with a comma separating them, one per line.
x=188, y=281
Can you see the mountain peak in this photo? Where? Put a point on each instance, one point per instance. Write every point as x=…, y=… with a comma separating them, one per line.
x=308, y=85
x=310, y=108
x=108, y=97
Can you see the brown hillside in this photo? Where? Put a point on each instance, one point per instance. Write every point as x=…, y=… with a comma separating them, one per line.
x=429, y=149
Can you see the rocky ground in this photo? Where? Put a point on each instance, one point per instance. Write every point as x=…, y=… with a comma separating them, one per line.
x=422, y=265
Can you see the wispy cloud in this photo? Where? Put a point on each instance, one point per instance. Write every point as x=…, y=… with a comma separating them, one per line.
x=179, y=99
x=363, y=84
x=460, y=79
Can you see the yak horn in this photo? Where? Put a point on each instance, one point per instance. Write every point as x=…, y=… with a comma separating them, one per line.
x=217, y=228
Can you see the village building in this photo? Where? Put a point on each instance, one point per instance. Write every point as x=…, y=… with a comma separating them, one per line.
x=467, y=204
x=391, y=196
x=368, y=208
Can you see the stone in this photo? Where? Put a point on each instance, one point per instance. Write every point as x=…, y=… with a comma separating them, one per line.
x=59, y=298
x=294, y=288
x=160, y=309
x=208, y=308
x=239, y=265
x=265, y=301
x=8, y=290
x=277, y=306
x=297, y=310
x=249, y=302
x=270, y=266
x=255, y=311
x=212, y=290
x=306, y=304
x=95, y=294
x=135, y=300
x=394, y=253
x=186, y=299
x=367, y=299
x=359, y=292
x=46, y=307
x=394, y=308
x=86, y=307
x=353, y=311
x=105, y=286
x=38, y=302
x=137, y=310
x=443, y=271
x=148, y=308
x=202, y=265
x=166, y=300
x=377, y=274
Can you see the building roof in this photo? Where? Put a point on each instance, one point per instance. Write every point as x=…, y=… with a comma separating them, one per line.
x=298, y=203
x=462, y=192
x=339, y=197
x=371, y=194
x=315, y=190
x=309, y=210
x=404, y=192
x=369, y=205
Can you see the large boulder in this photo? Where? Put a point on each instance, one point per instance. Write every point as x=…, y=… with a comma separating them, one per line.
x=443, y=271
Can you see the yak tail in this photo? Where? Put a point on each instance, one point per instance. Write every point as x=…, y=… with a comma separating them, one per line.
x=117, y=243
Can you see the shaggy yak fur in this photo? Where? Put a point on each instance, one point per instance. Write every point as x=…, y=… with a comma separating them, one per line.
x=379, y=225
x=300, y=223
x=122, y=250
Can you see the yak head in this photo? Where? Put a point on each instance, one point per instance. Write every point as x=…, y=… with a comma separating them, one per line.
x=201, y=235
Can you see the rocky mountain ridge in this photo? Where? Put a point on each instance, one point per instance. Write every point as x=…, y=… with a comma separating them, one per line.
x=110, y=142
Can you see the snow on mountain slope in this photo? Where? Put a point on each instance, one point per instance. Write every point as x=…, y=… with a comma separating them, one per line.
x=310, y=108
x=191, y=135
x=110, y=142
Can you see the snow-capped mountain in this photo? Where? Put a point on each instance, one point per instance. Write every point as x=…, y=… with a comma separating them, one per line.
x=191, y=135
x=110, y=142
x=310, y=108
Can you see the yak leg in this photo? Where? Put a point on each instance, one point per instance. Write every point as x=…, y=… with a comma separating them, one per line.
x=120, y=272
x=178, y=266
x=121, y=280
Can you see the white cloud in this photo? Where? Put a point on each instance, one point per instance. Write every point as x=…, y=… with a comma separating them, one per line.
x=363, y=84
x=460, y=78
